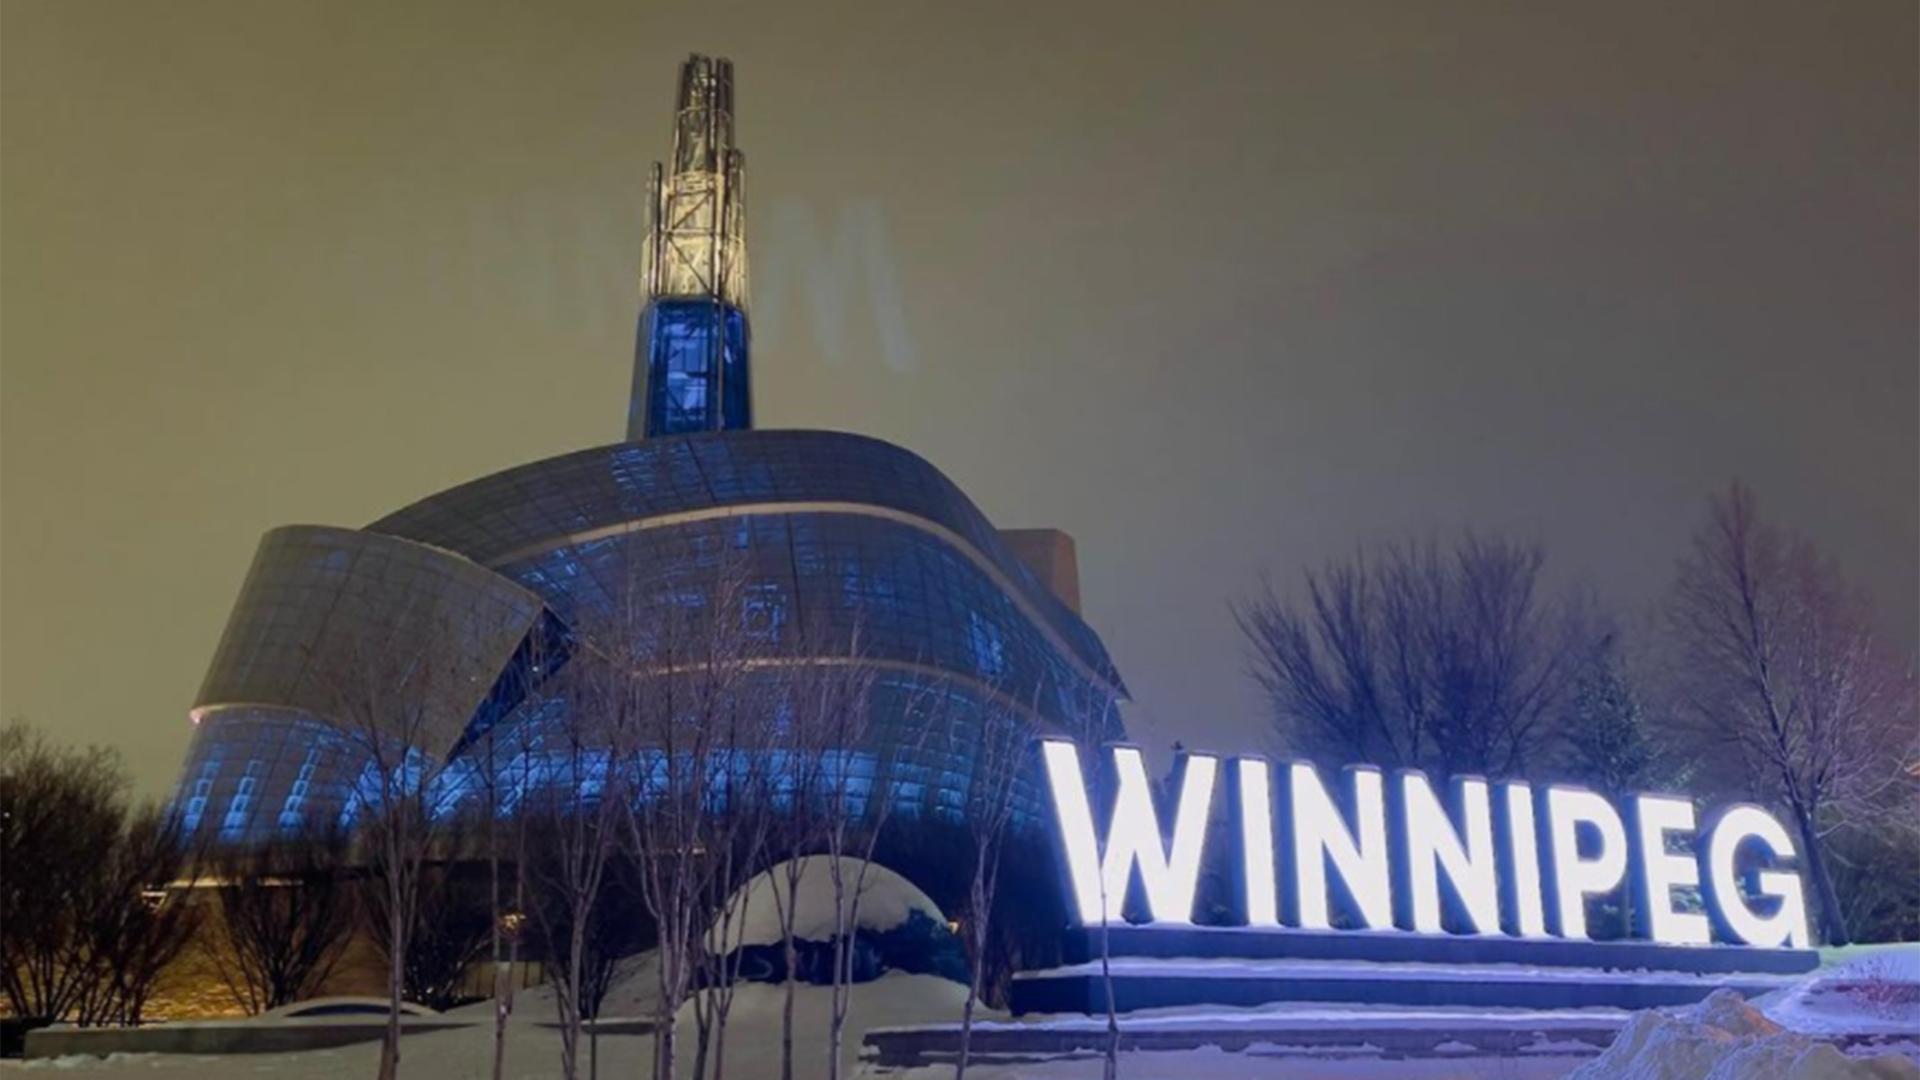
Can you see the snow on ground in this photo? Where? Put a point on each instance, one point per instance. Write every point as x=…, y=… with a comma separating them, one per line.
x=1873, y=989
x=633, y=995
x=894, y=1000
x=1870, y=991
x=1721, y=1039
x=886, y=900
x=1725, y=1038
x=533, y=1051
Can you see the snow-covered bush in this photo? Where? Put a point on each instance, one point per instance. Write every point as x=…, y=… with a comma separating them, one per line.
x=900, y=928
x=1877, y=985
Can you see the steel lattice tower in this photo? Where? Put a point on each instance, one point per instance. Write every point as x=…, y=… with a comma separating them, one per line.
x=690, y=366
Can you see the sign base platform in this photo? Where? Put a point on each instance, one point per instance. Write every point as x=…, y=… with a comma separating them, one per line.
x=1157, y=967
x=1380, y=1042
x=1318, y=1035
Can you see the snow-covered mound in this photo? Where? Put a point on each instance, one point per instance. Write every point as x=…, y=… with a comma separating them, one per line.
x=886, y=901
x=341, y=1006
x=1872, y=990
x=634, y=993
x=1724, y=1038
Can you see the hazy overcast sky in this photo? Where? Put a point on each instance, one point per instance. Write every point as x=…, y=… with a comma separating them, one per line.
x=1219, y=289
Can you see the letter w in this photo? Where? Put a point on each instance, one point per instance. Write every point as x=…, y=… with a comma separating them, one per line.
x=1133, y=835
x=798, y=258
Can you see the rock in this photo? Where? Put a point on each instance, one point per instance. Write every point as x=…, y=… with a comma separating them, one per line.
x=1728, y=1011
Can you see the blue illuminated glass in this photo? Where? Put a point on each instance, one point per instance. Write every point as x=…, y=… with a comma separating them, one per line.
x=696, y=367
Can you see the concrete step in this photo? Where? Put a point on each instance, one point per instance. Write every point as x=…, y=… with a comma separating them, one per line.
x=1153, y=983
x=1317, y=1034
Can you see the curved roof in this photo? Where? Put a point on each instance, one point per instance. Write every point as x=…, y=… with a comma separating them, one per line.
x=336, y=621
x=607, y=490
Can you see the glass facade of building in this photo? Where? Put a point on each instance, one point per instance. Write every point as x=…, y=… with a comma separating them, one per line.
x=336, y=632
x=479, y=619
x=829, y=545
x=694, y=376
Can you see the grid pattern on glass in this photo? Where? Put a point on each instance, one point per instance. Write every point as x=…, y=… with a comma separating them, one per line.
x=256, y=774
x=921, y=746
x=320, y=603
x=541, y=504
x=253, y=772
x=895, y=593
x=947, y=635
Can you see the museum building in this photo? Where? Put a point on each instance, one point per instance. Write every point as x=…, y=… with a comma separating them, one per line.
x=829, y=544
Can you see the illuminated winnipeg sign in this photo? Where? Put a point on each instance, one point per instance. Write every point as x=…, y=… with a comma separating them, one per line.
x=1495, y=858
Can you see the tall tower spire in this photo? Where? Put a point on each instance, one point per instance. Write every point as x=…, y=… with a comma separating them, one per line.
x=690, y=368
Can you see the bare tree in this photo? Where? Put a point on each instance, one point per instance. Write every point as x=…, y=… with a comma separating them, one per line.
x=287, y=913
x=578, y=801
x=690, y=705
x=1410, y=656
x=1090, y=737
x=619, y=929
x=1878, y=905
x=401, y=695
x=1003, y=752
x=93, y=892
x=503, y=943
x=504, y=786
x=451, y=926
x=869, y=780
x=138, y=915
x=1781, y=663
x=59, y=807
x=746, y=825
x=796, y=835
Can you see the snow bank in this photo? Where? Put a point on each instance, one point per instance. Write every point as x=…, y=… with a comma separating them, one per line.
x=1872, y=990
x=334, y=1008
x=892, y=1000
x=633, y=994
x=86, y=1063
x=1900, y=963
x=1724, y=1038
x=886, y=900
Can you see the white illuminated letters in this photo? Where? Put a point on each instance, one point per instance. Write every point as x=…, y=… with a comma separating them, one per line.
x=1575, y=878
x=1100, y=872
x=1656, y=872
x=1486, y=859
x=1359, y=855
x=1787, y=926
x=1075, y=817
x=1434, y=844
x=1526, y=911
x=1256, y=841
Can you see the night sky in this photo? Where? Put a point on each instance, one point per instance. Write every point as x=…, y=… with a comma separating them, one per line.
x=1219, y=290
